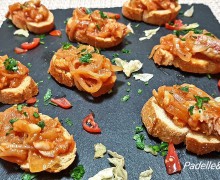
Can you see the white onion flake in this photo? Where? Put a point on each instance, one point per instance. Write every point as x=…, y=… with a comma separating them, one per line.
x=217, y=99
x=189, y=12
x=128, y=67
x=146, y=175
x=149, y=33
x=130, y=28
x=21, y=32
x=145, y=77
x=190, y=26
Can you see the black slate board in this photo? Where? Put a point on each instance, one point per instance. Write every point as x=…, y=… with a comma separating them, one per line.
x=117, y=119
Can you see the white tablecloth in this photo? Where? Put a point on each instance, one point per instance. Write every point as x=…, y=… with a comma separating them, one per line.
x=64, y=4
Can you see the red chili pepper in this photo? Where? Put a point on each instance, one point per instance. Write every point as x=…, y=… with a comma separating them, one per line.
x=62, y=102
x=113, y=15
x=56, y=33
x=31, y=45
x=90, y=125
x=172, y=161
x=218, y=83
x=31, y=101
x=176, y=26
x=20, y=51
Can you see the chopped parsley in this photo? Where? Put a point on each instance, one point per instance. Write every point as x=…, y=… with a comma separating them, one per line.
x=20, y=107
x=98, y=27
x=88, y=11
x=137, y=25
x=115, y=55
x=138, y=129
x=128, y=89
x=41, y=124
x=28, y=176
x=77, y=173
x=209, y=76
x=125, y=51
x=201, y=100
x=209, y=34
x=191, y=110
x=103, y=15
x=146, y=83
x=9, y=131
x=41, y=36
x=36, y=115
x=125, y=98
x=139, y=138
x=153, y=149
x=11, y=64
x=139, y=91
x=12, y=121
x=48, y=95
x=25, y=114
x=29, y=65
x=179, y=32
x=67, y=19
x=86, y=58
x=66, y=45
x=185, y=89
x=128, y=83
x=68, y=122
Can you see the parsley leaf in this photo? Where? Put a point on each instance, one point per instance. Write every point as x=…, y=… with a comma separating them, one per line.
x=191, y=110
x=125, y=51
x=88, y=11
x=36, y=115
x=86, y=58
x=69, y=122
x=67, y=19
x=11, y=64
x=41, y=124
x=66, y=45
x=185, y=89
x=103, y=15
x=28, y=176
x=20, y=107
x=78, y=172
x=115, y=55
x=48, y=95
x=12, y=121
x=138, y=129
x=98, y=27
x=201, y=100
x=125, y=98
x=139, y=138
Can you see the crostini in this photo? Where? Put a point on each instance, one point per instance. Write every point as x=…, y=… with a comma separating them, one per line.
x=192, y=52
x=97, y=28
x=184, y=113
x=157, y=12
x=16, y=86
x=84, y=68
x=35, y=141
x=31, y=16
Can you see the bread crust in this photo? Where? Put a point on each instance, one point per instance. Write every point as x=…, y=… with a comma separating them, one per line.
x=81, y=35
x=27, y=89
x=158, y=124
x=157, y=17
x=195, y=65
x=166, y=130
x=37, y=28
x=62, y=161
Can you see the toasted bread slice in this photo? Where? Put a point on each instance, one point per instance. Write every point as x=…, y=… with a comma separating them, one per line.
x=63, y=160
x=81, y=27
x=158, y=124
x=156, y=17
x=27, y=89
x=37, y=28
x=195, y=65
x=37, y=158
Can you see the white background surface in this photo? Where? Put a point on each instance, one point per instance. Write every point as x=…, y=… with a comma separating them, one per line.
x=64, y=4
